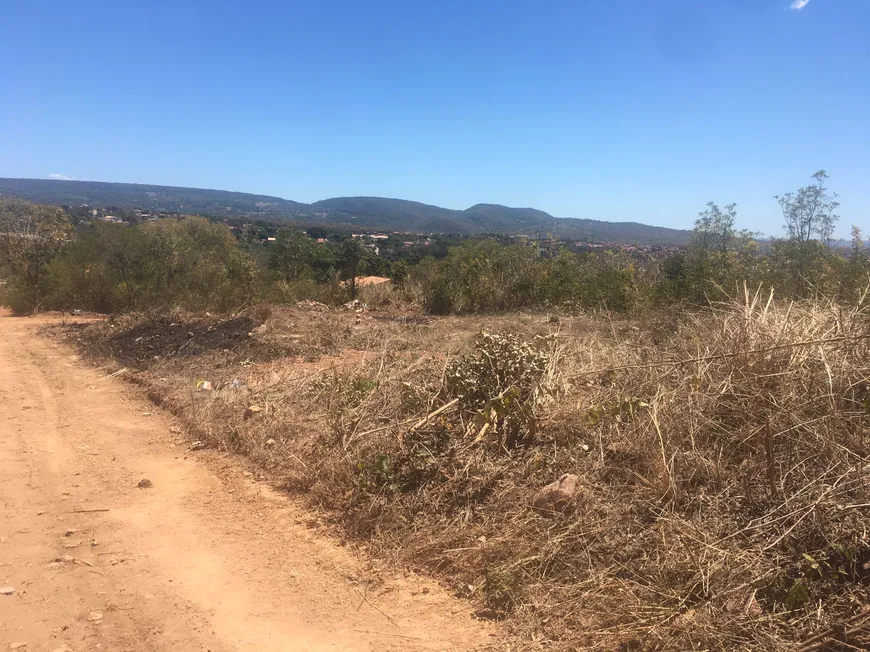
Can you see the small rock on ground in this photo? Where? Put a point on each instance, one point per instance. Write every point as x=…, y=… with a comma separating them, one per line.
x=145, y=483
x=556, y=496
x=6, y=590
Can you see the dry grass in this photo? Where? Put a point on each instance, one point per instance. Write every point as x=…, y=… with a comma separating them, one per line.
x=721, y=458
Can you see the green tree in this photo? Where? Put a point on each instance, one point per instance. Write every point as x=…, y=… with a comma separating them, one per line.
x=803, y=264
x=399, y=272
x=714, y=230
x=31, y=235
x=197, y=264
x=102, y=271
x=810, y=212
x=858, y=268
x=720, y=257
x=350, y=255
x=480, y=276
x=189, y=263
x=292, y=254
x=250, y=238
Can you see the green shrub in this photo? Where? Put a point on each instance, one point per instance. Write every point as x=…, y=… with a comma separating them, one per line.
x=500, y=382
x=305, y=289
x=189, y=263
x=30, y=237
x=481, y=276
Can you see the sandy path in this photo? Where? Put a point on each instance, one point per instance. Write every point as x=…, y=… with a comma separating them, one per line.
x=205, y=559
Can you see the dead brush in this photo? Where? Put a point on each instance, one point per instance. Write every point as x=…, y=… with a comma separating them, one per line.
x=722, y=474
x=721, y=457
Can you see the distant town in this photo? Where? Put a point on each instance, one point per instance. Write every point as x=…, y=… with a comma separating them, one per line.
x=377, y=241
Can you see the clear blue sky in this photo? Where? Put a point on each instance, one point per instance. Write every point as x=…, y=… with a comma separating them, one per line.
x=608, y=109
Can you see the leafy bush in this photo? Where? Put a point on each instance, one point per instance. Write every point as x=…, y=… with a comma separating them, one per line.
x=480, y=277
x=602, y=281
x=499, y=362
x=488, y=276
x=188, y=263
x=500, y=382
x=295, y=256
x=30, y=237
x=305, y=289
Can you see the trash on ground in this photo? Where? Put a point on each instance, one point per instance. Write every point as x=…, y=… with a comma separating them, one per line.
x=356, y=305
x=251, y=411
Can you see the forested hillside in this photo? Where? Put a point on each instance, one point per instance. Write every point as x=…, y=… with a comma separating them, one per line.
x=365, y=212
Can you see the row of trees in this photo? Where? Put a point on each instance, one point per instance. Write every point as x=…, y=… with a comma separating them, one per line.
x=800, y=264
x=718, y=261
x=189, y=262
x=113, y=268
x=196, y=264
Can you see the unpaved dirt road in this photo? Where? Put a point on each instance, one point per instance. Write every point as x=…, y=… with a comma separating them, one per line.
x=205, y=559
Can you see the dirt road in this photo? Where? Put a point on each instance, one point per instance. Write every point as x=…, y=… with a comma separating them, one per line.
x=204, y=559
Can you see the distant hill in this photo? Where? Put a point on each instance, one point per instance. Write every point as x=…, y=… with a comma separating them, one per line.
x=368, y=212
x=157, y=198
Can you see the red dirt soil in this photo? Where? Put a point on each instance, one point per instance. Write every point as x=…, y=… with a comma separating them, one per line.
x=206, y=558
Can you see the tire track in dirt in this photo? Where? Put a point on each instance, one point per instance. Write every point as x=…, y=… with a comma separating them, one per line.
x=205, y=559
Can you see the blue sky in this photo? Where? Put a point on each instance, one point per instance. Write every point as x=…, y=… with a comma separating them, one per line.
x=607, y=109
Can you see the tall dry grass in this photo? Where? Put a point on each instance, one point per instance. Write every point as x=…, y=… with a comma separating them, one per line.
x=721, y=460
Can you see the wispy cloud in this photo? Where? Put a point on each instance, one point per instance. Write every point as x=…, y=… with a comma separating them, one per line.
x=61, y=177
x=797, y=5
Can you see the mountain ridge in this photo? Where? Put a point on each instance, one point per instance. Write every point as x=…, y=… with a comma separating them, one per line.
x=363, y=211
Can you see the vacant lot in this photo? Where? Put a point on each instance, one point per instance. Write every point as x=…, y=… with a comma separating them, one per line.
x=712, y=464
